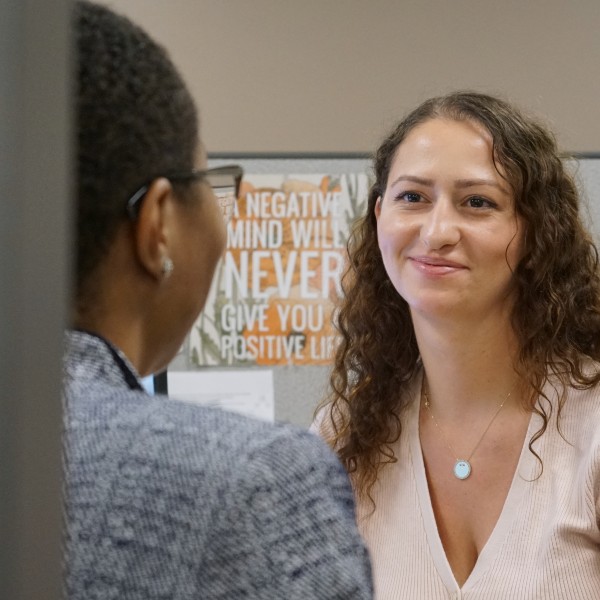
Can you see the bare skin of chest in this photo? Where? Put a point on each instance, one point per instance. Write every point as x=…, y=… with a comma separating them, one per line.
x=466, y=511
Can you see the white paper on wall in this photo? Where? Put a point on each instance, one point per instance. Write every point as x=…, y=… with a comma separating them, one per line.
x=247, y=392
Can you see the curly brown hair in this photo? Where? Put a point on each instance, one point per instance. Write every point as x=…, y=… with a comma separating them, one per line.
x=556, y=316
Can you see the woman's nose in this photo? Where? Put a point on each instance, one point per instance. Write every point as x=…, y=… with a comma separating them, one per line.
x=441, y=226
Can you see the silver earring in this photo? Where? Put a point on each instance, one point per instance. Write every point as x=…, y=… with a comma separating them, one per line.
x=167, y=267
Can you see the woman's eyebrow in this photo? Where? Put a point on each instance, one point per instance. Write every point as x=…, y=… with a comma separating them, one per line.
x=414, y=179
x=465, y=183
x=459, y=183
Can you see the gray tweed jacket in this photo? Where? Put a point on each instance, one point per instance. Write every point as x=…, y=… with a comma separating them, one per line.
x=168, y=500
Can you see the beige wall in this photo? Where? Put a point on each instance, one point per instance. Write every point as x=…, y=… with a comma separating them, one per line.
x=334, y=75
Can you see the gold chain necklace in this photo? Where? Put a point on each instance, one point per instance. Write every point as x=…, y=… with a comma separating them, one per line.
x=462, y=466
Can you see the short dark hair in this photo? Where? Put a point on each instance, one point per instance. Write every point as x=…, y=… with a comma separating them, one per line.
x=135, y=120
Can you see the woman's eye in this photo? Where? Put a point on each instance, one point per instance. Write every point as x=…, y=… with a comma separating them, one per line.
x=480, y=202
x=411, y=197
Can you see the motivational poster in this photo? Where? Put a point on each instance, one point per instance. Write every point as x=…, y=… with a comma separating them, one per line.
x=274, y=291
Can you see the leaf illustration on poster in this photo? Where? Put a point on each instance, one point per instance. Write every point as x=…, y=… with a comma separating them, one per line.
x=274, y=291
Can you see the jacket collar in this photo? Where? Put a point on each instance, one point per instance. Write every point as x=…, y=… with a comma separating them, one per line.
x=90, y=357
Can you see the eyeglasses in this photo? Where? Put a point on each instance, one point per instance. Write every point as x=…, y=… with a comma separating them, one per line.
x=224, y=181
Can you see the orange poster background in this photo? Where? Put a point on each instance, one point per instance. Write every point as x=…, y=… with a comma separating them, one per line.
x=273, y=295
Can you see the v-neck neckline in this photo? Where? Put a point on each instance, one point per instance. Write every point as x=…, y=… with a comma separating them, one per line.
x=523, y=475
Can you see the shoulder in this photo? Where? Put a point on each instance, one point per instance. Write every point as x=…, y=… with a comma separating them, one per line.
x=233, y=507
x=579, y=427
x=579, y=417
x=242, y=508
x=163, y=429
x=291, y=507
x=322, y=424
x=297, y=456
x=111, y=430
x=583, y=403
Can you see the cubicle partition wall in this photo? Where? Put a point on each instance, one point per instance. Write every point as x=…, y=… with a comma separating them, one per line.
x=35, y=236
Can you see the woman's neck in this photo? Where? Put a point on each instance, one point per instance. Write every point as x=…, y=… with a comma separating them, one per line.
x=468, y=368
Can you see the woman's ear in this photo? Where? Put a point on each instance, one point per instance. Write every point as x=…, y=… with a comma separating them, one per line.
x=152, y=229
x=377, y=208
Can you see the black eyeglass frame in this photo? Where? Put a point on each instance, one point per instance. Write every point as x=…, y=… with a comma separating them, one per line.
x=135, y=200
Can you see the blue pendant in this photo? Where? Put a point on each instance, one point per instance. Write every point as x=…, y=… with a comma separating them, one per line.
x=462, y=469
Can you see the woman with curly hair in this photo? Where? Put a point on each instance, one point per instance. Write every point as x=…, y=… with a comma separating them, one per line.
x=464, y=396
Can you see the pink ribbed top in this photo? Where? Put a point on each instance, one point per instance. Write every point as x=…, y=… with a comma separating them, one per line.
x=546, y=543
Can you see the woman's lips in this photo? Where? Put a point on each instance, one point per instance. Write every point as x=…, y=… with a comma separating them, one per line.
x=436, y=266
